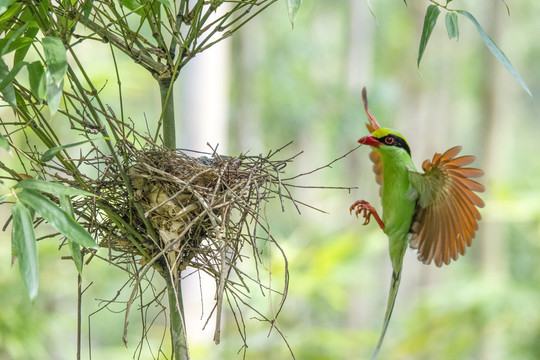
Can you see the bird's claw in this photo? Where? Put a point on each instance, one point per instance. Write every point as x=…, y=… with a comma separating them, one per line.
x=366, y=210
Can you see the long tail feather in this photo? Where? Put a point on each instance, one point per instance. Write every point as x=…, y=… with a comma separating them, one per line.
x=394, y=286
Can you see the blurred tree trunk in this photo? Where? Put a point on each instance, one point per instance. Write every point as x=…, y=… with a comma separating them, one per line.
x=360, y=74
x=361, y=38
x=493, y=261
x=205, y=98
x=246, y=121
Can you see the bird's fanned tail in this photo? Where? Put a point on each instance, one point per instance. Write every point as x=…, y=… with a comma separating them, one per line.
x=394, y=286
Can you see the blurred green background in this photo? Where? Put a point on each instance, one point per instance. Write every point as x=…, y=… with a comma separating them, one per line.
x=269, y=85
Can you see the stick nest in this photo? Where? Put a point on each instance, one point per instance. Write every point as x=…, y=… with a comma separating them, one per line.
x=204, y=212
x=200, y=205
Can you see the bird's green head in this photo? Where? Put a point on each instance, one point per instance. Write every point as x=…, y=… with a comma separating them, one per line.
x=386, y=139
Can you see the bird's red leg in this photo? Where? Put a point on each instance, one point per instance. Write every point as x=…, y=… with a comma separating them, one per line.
x=365, y=208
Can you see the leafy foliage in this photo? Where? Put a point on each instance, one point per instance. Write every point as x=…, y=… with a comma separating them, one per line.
x=451, y=21
x=495, y=50
x=25, y=247
x=430, y=20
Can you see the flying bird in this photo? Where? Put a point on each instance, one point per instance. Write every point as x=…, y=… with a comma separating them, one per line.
x=434, y=212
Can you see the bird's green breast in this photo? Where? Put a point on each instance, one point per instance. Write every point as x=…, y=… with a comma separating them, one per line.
x=398, y=207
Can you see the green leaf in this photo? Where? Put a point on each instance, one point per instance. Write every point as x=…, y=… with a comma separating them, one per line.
x=55, y=58
x=134, y=5
x=8, y=78
x=51, y=152
x=293, y=6
x=17, y=44
x=452, y=25
x=50, y=187
x=10, y=38
x=30, y=34
x=8, y=92
x=4, y=144
x=74, y=248
x=57, y=217
x=86, y=9
x=53, y=92
x=6, y=5
x=432, y=13
x=495, y=50
x=25, y=247
x=37, y=79
x=165, y=2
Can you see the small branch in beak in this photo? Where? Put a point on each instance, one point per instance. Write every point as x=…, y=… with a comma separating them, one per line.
x=373, y=124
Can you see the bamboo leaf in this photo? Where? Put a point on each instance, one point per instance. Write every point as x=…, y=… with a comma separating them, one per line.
x=8, y=77
x=9, y=9
x=495, y=50
x=8, y=92
x=432, y=13
x=452, y=25
x=74, y=248
x=86, y=9
x=25, y=247
x=4, y=144
x=165, y=2
x=55, y=58
x=135, y=6
x=37, y=79
x=4, y=5
x=50, y=187
x=18, y=43
x=52, y=152
x=293, y=6
x=30, y=34
x=12, y=36
x=57, y=217
x=53, y=92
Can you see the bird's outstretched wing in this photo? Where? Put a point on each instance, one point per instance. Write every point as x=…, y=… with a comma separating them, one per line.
x=446, y=214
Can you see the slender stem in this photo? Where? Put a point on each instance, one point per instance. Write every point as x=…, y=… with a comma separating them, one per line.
x=79, y=314
x=176, y=316
x=167, y=112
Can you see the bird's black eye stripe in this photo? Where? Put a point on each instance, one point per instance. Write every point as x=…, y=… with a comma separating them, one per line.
x=393, y=140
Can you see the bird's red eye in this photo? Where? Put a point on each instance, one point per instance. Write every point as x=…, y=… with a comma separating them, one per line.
x=389, y=140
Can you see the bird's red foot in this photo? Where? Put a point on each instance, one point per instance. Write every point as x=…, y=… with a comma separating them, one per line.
x=365, y=208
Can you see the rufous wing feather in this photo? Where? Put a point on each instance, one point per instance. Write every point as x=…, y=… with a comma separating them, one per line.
x=375, y=157
x=446, y=215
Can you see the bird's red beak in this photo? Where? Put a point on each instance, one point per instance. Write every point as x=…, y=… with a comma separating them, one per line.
x=369, y=140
